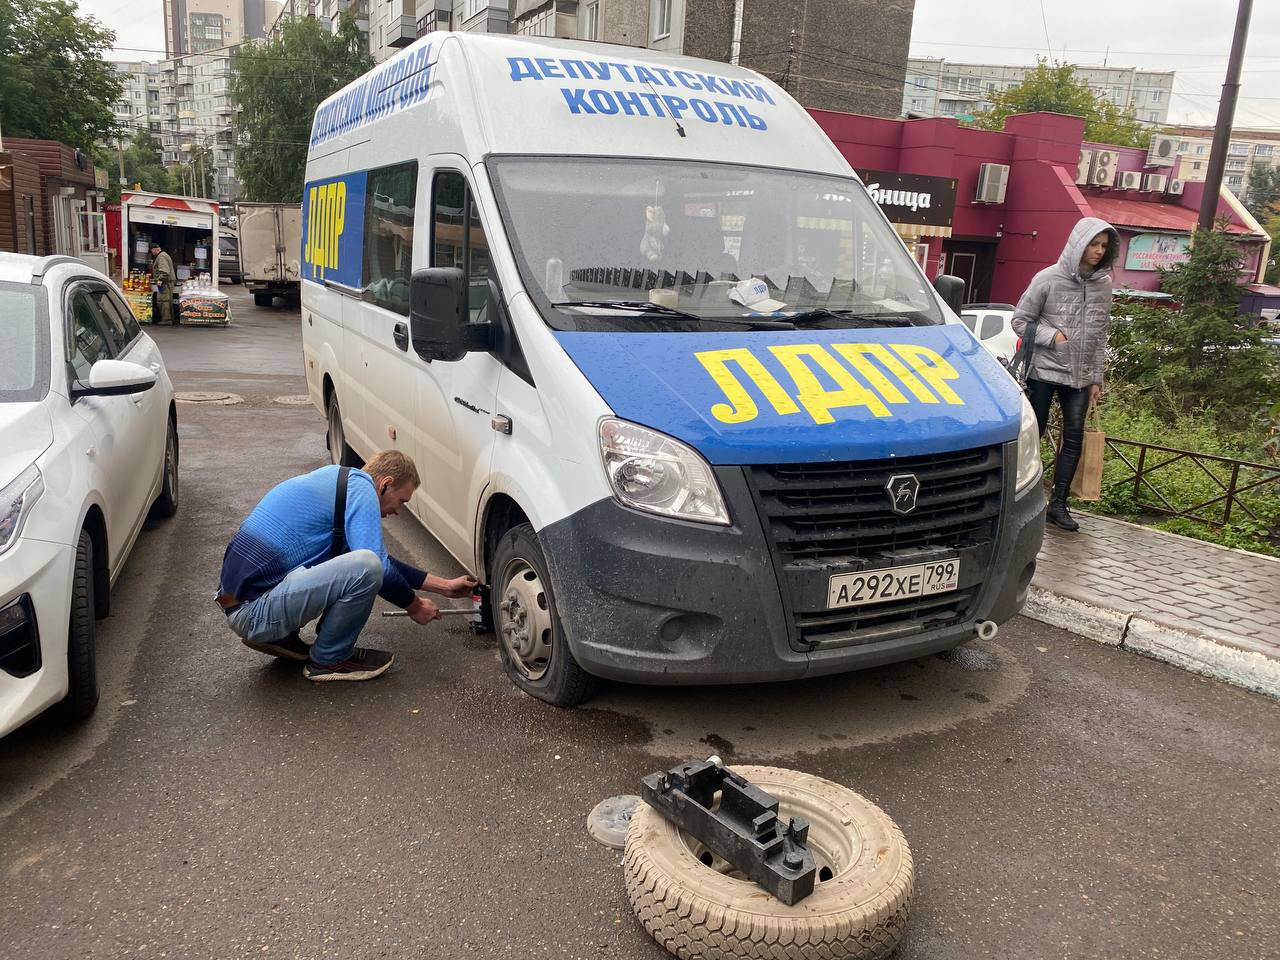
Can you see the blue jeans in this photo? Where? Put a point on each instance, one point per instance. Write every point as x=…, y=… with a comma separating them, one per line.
x=340, y=592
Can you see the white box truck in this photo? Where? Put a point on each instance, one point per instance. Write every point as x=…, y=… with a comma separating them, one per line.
x=270, y=250
x=679, y=394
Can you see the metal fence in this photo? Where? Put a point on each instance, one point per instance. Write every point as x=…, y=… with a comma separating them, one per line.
x=1162, y=476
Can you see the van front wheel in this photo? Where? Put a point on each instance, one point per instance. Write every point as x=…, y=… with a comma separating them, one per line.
x=535, y=653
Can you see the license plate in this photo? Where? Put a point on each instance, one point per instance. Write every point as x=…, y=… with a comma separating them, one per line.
x=893, y=583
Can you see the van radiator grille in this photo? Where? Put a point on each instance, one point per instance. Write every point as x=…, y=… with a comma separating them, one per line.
x=823, y=515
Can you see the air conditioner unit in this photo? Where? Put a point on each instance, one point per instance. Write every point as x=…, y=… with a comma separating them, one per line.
x=993, y=180
x=1162, y=152
x=1082, y=166
x=1103, y=171
x=1175, y=186
x=1154, y=182
x=1130, y=180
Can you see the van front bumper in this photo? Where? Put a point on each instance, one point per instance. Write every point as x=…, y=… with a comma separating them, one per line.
x=644, y=599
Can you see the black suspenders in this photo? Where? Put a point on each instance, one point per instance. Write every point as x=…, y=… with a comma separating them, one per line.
x=338, y=546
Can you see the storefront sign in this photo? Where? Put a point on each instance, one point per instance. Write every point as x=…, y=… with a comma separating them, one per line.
x=1151, y=251
x=909, y=198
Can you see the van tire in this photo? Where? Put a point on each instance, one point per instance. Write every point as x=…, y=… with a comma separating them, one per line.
x=336, y=436
x=526, y=622
x=82, y=659
x=262, y=299
x=696, y=909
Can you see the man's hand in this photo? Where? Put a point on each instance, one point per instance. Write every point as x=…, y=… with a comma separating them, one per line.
x=1095, y=391
x=422, y=610
x=1060, y=338
x=457, y=587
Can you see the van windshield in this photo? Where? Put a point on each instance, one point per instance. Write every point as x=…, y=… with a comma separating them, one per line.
x=599, y=240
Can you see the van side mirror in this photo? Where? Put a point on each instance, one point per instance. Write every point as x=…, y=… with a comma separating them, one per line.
x=951, y=289
x=438, y=313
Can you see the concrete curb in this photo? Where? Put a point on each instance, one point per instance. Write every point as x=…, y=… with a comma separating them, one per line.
x=1216, y=656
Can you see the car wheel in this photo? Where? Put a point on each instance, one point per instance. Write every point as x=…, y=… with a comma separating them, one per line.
x=336, y=438
x=166, y=504
x=82, y=661
x=262, y=299
x=535, y=652
x=696, y=905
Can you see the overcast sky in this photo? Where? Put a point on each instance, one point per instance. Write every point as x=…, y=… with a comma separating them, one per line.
x=1192, y=37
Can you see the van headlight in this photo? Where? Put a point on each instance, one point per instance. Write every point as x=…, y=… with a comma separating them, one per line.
x=16, y=501
x=652, y=472
x=1028, y=448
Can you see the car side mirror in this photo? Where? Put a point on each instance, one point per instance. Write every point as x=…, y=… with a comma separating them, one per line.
x=114, y=378
x=439, y=322
x=951, y=289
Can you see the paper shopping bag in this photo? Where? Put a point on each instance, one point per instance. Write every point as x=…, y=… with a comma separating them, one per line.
x=1087, y=483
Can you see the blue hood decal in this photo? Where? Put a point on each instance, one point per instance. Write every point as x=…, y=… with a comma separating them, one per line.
x=798, y=396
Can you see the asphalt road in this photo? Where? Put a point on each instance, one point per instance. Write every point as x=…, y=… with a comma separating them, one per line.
x=1070, y=800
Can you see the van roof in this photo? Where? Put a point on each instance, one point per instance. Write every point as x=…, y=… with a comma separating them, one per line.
x=544, y=96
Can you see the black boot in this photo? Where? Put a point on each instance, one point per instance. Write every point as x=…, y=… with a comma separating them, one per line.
x=1059, y=516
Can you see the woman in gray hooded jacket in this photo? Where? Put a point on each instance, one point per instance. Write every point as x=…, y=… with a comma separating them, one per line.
x=1072, y=302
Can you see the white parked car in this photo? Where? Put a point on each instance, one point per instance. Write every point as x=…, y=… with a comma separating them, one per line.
x=992, y=324
x=88, y=448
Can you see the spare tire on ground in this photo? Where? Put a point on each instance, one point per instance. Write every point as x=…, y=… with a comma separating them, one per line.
x=698, y=906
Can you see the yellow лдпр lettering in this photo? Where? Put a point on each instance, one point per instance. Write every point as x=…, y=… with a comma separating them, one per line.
x=326, y=219
x=741, y=407
x=339, y=220
x=930, y=365
x=815, y=398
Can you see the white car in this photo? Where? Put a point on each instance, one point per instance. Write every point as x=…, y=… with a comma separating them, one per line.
x=88, y=448
x=992, y=324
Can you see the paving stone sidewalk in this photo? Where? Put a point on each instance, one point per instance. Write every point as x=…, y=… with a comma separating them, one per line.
x=1195, y=604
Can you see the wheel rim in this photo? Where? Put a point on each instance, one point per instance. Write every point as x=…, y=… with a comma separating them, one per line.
x=524, y=619
x=171, y=464
x=337, y=439
x=834, y=846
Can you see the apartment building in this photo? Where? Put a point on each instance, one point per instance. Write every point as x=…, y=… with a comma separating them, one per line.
x=843, y=55
x=194, y=26
x=139, y=105
x=1248, y=149
x=185, y=103
x=946, y=88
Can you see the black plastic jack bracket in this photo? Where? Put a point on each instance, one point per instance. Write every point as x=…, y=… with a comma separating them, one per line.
x=742, y=828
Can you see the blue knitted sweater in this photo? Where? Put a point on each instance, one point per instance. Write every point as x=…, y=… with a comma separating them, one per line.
x=292, y=526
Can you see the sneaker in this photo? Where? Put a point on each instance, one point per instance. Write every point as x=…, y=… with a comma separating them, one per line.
x=286, y=648
x=365, y=663
x=1059, y=516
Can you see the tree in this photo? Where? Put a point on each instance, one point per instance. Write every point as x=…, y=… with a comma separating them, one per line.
x=1263, y=189
x=1055, y=89
x=276, y=86
x=142, y=165
x=1206, y=354
x=54, y=82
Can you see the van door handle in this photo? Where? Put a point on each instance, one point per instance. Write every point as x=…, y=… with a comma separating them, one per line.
x=400, y=334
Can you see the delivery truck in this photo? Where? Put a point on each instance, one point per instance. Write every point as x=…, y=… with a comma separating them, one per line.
x=681, y=398
x=270, y=237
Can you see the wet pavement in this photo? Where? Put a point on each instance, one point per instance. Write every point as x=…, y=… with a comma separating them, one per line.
x=1061, y=798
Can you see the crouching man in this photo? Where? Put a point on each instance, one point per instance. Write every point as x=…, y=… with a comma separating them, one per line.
x=312, y=549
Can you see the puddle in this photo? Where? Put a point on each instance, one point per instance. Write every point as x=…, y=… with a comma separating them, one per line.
x=766, y=721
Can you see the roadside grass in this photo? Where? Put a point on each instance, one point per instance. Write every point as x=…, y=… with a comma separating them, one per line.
x=1129, y=414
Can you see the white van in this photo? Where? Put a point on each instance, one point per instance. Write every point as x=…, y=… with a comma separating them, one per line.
x=677, y=391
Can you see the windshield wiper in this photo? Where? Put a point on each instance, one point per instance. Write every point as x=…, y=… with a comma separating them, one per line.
x=644, y=306
x=872, y=319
